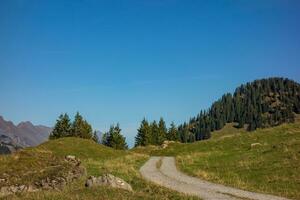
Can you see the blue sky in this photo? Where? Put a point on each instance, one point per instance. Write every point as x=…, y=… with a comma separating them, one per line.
x=120, y=61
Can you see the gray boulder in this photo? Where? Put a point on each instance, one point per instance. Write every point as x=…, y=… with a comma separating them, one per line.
x=108, y=180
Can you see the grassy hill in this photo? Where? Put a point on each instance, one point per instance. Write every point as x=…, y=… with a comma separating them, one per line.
x=33, y=164
x=228, y=158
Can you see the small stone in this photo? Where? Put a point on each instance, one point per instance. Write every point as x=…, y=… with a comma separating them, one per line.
x=22, y=187
x=253, y=145
x=70, y=157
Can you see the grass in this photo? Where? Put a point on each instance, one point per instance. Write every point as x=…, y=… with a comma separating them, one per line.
x=97, y=159
x=29, y=166
x=228, y=158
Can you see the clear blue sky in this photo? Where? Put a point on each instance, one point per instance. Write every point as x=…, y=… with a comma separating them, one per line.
x=120, y=61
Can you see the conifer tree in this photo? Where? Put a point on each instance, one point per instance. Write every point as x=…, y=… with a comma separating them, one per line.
x=115, y=139
x=154, y=133
x=172, y=133
x=185, y=134
x=104, y=139
x=81, y=128
x=162, y=131
x=62, y=127
x=144, y=133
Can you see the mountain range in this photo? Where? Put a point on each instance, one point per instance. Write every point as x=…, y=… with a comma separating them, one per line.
x=25, y=134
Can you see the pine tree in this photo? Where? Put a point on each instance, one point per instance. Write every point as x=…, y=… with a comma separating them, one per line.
x=172, y=133
x=104, y=139
x=62, y=127
x=144, y=134
x=81, y=128
x=115, y=139
x=185, y=134
x=162, y=131
x=154, y=133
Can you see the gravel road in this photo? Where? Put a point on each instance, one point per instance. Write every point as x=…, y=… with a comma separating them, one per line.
x=168, y=176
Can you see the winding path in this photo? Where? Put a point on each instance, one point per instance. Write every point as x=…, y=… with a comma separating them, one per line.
x=168, y=176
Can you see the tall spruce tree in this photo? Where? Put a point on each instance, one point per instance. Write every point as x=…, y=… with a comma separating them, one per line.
x=113, y=138
x=172, y=133
x=144, y=134
x=154, y=133
x=62, y=127
x=81, y=128
x=162, y=131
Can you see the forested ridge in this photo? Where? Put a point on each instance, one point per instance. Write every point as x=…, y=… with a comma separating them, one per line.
x=258, y=104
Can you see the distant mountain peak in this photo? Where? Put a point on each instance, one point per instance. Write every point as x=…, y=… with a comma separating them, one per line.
x=25, y=124
x=25, y=133
x=4, y=121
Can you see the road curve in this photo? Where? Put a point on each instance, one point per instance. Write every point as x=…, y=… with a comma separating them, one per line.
x=168, y=176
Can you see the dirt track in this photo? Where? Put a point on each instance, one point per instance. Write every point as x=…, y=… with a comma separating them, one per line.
x=168, y=176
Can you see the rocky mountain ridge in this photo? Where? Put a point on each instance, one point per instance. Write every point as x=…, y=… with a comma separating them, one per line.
x=24, y=134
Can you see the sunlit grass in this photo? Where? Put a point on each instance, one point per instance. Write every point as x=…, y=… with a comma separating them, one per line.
x=97, y=159
x=228, y=159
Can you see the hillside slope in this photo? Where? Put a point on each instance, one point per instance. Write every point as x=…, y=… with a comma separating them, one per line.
x=232, y=158
x=259, y=104
x=24, y=167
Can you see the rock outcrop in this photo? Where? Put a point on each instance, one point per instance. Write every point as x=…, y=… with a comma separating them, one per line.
x=54, y=183
x=108, y=180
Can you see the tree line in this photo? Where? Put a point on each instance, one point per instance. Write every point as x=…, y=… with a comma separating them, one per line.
x=154, y=133
x=259, y=104
x=64, y=127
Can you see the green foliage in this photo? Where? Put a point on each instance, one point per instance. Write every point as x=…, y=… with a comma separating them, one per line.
x=64, y=128
x=143, y=136
x=113, y=138
x=259, y=104
x=155, y=134
x=81, y=128
x=172, y=134
x=162, y=131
